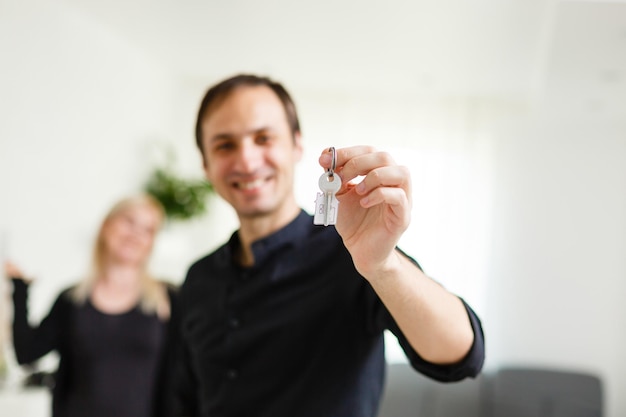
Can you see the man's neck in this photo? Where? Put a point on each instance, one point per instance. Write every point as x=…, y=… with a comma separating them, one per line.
x=255, y=228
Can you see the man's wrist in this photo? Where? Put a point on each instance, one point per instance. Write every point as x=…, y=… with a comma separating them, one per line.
x=391, y=267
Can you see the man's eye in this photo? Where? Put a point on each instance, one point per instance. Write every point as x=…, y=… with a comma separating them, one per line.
x=224, y=146
x=262, y=138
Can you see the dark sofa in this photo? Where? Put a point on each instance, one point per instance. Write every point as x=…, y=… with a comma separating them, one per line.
x=506, y=392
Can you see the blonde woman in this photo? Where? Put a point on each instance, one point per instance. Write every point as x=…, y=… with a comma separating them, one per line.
x=110, y=329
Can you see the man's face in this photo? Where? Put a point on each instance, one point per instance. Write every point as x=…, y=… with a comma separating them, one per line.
x=249, y=151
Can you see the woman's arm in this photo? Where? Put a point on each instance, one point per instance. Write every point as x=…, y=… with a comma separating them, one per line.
x=32, y=342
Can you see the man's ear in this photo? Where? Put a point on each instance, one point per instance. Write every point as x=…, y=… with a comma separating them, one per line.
x=298, y=148
x=205, y=167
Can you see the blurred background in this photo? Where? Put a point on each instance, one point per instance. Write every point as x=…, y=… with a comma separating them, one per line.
x=511, y=115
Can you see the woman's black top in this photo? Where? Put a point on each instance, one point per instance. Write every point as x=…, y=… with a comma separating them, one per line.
x=110, y=364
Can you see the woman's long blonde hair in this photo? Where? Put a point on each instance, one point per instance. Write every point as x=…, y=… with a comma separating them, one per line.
x=154, y=297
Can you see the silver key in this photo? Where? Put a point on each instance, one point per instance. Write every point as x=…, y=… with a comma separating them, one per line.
x=326, y=204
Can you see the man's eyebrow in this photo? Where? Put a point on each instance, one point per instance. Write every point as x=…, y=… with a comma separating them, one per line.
x=229, y=136
x=221, y=136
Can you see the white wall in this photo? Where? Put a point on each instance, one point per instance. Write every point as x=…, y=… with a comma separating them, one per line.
x=80, y=108
x=557, y=270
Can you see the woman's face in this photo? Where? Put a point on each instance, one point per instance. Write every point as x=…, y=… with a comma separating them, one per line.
x=129, y=235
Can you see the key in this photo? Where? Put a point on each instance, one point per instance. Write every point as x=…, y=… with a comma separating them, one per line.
x=326, y=204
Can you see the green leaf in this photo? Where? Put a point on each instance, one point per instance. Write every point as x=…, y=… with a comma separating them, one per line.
x=181, y=198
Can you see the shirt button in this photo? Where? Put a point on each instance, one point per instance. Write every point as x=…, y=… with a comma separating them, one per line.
x=234, y=323
x=232, y=374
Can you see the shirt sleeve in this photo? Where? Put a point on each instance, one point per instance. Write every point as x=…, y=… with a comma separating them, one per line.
x=33, y=342
x=469, y=366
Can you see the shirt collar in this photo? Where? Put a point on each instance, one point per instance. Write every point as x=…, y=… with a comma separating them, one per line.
x=263, y=248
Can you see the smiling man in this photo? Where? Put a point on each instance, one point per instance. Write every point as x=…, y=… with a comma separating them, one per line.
x=287, y=318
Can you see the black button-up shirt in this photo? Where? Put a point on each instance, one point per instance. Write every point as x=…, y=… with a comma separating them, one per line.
x=298, y=334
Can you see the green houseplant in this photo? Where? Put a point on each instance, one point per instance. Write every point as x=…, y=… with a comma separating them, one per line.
x=182, y=198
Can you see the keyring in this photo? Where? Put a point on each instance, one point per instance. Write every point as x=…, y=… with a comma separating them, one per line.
x=333, y=164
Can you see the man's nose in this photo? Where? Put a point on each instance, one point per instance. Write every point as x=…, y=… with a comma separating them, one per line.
x=249, y=156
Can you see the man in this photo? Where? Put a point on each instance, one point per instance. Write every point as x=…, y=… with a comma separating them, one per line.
x=287, y=318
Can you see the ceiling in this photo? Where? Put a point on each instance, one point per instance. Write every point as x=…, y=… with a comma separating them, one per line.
x=452, y=47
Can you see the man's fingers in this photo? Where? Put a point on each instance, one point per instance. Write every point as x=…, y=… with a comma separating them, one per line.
x=396, y=176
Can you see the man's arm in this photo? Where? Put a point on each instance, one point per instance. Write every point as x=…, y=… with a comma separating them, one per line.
x=373, y=216
x=433, y=320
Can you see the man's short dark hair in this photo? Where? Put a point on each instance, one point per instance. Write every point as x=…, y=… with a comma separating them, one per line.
x=216, y=94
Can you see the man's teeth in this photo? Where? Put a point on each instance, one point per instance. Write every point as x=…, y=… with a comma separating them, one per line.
x=250, y=185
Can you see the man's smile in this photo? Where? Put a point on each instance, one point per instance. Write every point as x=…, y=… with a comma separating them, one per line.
x=250, y=185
